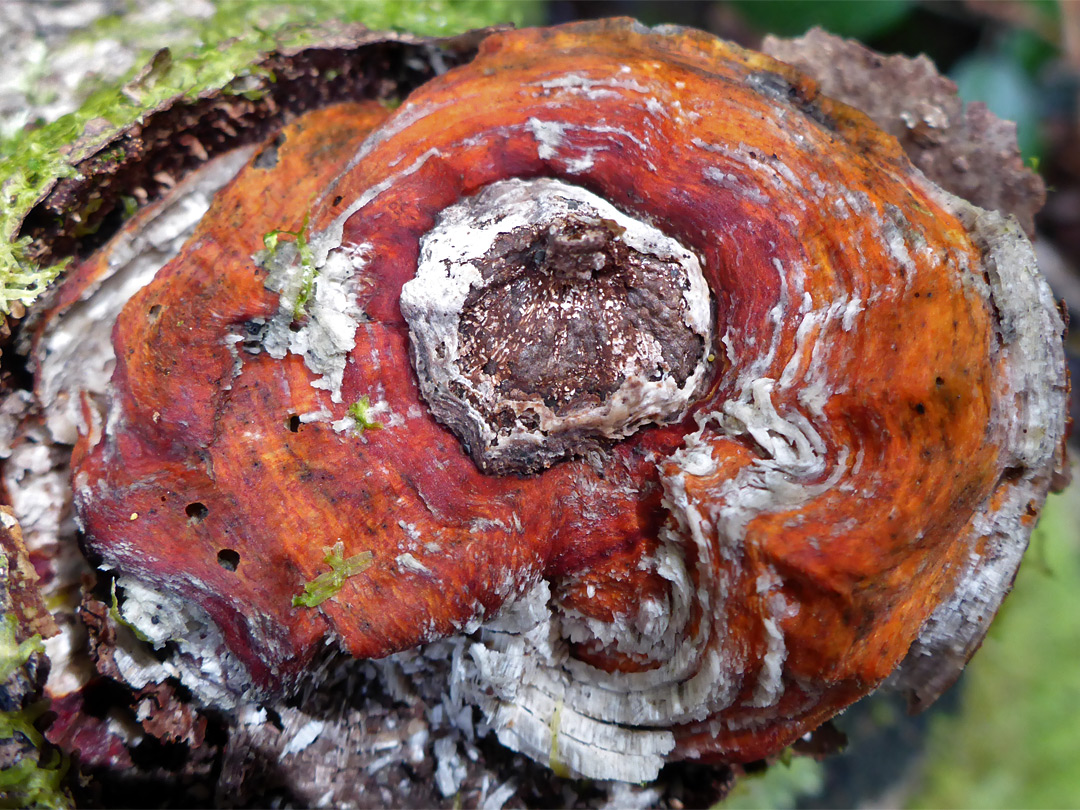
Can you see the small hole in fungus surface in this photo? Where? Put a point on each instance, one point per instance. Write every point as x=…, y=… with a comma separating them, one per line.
x=196, y=511
x=294, y=423
x=939, y=381
x=268, y=158
x=920, y=408
x=154, y=313
x=274, y=719
x=228, y=559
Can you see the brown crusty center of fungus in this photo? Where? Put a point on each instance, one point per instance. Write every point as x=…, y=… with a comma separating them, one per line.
x=544, y=320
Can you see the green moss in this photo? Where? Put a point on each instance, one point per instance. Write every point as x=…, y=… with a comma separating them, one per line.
x=219, y=53
x=20, y=279
x=307, y=277
x=13, y=653
x=29, y=782
x=1014, y=741
x=32, y=782
x=360, y=411
x=329, y=583
x=432, y=17
x=33, y=161
x=309, y=271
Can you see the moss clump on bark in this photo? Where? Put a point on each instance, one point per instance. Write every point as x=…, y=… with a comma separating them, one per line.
x=222, y=54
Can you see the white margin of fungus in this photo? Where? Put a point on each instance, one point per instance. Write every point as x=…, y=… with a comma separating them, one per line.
x=1030, y=409
x=75, y=352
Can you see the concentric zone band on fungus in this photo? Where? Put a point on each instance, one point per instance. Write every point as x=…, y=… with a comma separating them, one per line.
x=711, y=588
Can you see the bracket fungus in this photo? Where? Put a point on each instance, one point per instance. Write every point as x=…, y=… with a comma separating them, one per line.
x=700, y=411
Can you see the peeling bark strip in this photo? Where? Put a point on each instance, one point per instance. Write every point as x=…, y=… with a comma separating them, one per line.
x=819, y=412
x=145, y=159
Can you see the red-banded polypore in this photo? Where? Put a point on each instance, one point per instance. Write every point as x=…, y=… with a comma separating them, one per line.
x=664, y=383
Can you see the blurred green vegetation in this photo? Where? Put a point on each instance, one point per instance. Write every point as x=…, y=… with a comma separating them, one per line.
x=1016, y=738
x=1006, y=75
x=861, y=20
x=780, y=786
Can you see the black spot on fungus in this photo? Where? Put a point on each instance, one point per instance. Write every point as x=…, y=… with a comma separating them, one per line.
x=778, y=88
x=920, y=408
x=294, y=423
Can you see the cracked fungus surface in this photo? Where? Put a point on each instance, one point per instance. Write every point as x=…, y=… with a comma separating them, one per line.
x=660, y=383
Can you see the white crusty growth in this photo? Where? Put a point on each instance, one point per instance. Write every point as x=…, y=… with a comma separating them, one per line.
x=328, y=319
